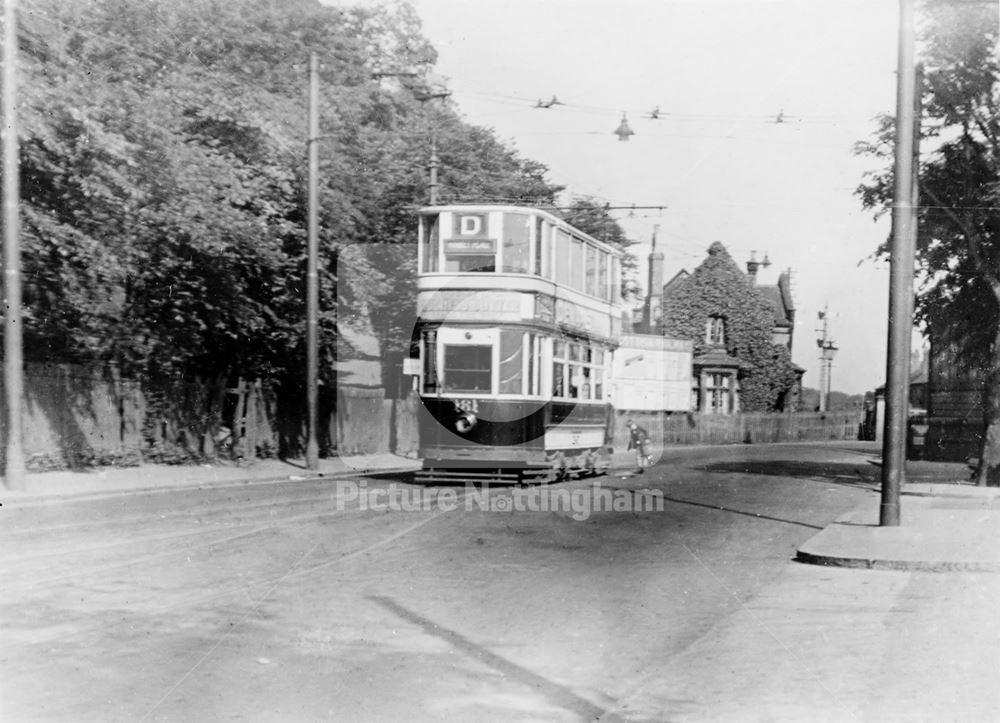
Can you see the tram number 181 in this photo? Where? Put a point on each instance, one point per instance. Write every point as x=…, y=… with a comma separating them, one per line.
x=467, y=405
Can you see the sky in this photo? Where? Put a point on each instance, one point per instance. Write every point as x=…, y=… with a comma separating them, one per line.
x=721, y=72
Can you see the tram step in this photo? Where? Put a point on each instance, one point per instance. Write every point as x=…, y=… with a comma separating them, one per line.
x=471, y=475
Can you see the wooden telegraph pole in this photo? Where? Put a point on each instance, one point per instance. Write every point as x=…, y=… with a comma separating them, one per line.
x=312, y=271
x=902, y=249
x=13, y=366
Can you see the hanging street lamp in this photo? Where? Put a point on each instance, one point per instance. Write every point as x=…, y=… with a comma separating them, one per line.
x=623, y=132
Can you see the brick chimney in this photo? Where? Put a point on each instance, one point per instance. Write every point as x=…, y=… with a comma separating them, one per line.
x=753, y=264
x=655, y=294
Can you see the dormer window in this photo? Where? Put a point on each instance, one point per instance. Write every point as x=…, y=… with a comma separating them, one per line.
x=715, y=331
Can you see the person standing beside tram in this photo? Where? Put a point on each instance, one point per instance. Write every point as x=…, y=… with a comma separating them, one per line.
x=638, y=440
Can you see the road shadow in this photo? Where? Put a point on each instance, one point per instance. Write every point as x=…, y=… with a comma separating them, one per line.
x=557, y=694
x=861, y=474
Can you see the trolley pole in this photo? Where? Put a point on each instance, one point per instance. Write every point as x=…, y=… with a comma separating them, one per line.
x=312, y=273
x=13, y=367
x=902, y=249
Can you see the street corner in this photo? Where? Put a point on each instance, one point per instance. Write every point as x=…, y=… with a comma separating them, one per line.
x=931, y=539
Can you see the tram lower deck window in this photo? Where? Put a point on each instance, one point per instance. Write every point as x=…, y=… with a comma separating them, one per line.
x=468, y=368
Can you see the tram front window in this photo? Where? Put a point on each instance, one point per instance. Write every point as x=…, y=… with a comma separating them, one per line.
x=468, y=368
x=463, y=263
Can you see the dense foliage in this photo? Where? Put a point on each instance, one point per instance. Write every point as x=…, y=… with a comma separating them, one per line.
x=164, y=177
x=958, y=244
x=718, y=287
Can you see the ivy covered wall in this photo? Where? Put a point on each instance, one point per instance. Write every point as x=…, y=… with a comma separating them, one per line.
x=719, y=287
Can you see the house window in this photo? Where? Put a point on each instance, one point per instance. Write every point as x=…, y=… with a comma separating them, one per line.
x=718, y=393
x=715, y=331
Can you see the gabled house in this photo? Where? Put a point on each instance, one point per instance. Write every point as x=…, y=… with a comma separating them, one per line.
x=742, y=335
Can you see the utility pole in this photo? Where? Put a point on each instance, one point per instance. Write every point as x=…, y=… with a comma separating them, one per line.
x=13, y=351
x=827, y=350
x=312, y=272
x=902, y=249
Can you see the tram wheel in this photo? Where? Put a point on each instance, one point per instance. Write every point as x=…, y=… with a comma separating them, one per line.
x=557, y=467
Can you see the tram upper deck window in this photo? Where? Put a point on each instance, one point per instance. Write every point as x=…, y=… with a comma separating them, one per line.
x=543, y=248
x=470, y=247
x=468, y=368
x=516, y=242
x=615, y=279
x=430, y=240
x=562, y=265
x=602, y=275
x=590, y=278
x=576, y=265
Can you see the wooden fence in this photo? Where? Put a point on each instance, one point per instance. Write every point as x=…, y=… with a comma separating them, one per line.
x=748, y=428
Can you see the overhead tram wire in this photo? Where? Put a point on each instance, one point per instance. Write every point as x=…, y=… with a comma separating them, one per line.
x=662, y=115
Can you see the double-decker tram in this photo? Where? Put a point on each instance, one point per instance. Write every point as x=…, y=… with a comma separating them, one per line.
x=517, y=317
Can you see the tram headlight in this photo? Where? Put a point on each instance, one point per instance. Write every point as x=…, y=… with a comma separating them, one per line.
x=465, y=422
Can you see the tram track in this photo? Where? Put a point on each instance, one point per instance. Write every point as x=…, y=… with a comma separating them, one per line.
x=120, y=526
x=229, y=504
x=65, y=556
x=149, y=603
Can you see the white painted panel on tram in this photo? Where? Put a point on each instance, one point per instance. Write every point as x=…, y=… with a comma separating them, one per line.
x=465, y=305
x=569, y=437
x=453, y=335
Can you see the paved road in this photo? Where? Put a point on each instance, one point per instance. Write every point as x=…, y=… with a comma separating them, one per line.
x=295, y=602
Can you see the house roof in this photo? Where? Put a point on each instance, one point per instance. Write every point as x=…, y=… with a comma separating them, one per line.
x=674, y=283
x=779, y=297
x=716, y=358
x=917, y=376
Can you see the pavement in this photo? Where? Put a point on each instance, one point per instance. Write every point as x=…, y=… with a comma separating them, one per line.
x=50, y=487
x=946, y=524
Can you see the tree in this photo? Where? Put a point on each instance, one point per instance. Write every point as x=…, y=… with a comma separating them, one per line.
x=719, y=287
x=958, y=243
x=163, y=176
